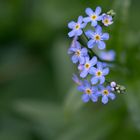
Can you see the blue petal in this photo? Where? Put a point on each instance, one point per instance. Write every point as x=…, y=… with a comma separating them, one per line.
x=87, y=84
x=84, y=51
x=94, y=98
x=99, y=18
x=74, y=59
x=85, y=98
x=92, y=70
x=94, y=80
x=89, y=11
x=83, y=25
x=81, y=88
x=83, y=74
x=99, y=66
x=98, y=10
x=98, y=29
x=102, y=79
x=93, y=61
x=80, y=19
x=71, y=24
x=104, y=99
x=79, y=32
x=72, y=33
x=111, y=96
x=87, y=19
x=91, y=43
x=82, y=60
x=101, y=45
x=105, y=36
x=89, y=34
x=105, y=71
x=94, y=23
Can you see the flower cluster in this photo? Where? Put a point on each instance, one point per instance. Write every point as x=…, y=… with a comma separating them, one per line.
x=92, y=69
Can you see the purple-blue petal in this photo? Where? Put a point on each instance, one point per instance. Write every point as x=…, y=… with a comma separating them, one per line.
x=93, y=61
x=101, y=45
x=85, y=98
x=91, y=43
x=81, y=60
x=84, y=73
x=111, y=96
x=94, y=80
x=105, y=71
x=74, y=59
x=102, y=79
x=71, y=24
x=104, y=99
x=72, y=33
x=87, y=19
x=105, y=36
x=98, y=29
x=92, y=70
x=80, y=19
x=89, y=11
x=94, y=23
x=98, y=10
x=79, y=32
x=94, y=98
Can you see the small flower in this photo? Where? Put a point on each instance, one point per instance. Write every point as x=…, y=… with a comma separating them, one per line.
x=107, y=19
x=76, y=27
x=98, y=73
x=85, y=68
x=106, y=93
x=108, y=56
x=76, y=79
x=97, y=38
x=90, y=92
x=94, y=17
x=79, y=53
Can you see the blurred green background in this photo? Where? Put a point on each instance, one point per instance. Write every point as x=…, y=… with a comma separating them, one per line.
x=38, y=100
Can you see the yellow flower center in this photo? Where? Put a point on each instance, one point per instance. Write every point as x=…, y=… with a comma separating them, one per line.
x=77, y=26
x=98, y=73
x=97, y=37
x=105, y=92
x=88, y=91
x=93, y=17
x=106, y=21
x=87, y=65
x=78, y=52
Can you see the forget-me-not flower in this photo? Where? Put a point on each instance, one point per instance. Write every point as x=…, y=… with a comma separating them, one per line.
x=76, y=27
x=107, y=19
x=98, y=73
x=106, y=93
x=79, y=53
x=85, y=68
x=93, y=17
x=89, y=91
x=97, y=38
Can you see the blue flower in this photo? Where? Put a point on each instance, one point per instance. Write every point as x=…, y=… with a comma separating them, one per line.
x=76, y=27
x=79, y=53
x=85, y=68
x=107, y=19
x=98, y=73
x=89, y=91
x=97, y=38
x=76, y=79
x=106, y=93
x=93, y=17
x=108, y=55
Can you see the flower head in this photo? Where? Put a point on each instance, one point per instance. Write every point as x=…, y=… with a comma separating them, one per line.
x=97, y=38
x=98, y=73
x=85, y=68
x=107, y=19
x=89, y=91
x=93, y=16
x=76, y=27
x=79, y=53
x=106, y=93
x=108, y=55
